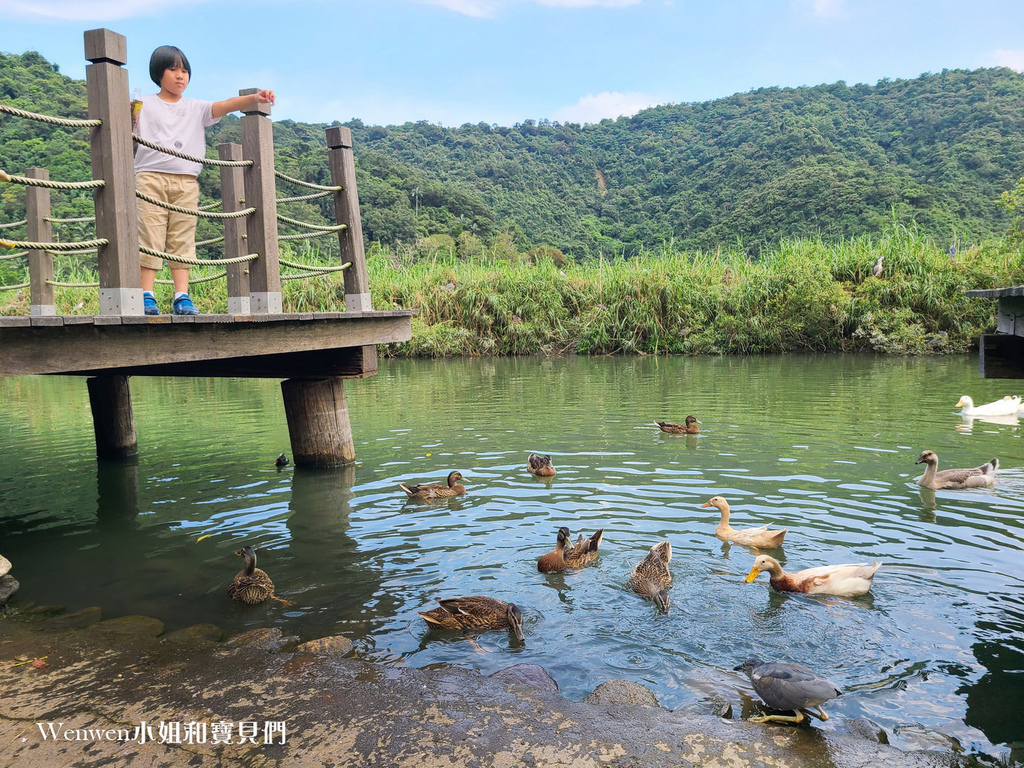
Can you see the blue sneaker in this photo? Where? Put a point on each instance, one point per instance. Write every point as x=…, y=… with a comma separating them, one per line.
x=183, y=306
x=149, y=304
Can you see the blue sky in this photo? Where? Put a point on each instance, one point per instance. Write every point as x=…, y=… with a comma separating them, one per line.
x=505, y=61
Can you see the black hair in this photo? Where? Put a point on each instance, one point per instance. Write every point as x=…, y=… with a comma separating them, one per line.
x=167, y=57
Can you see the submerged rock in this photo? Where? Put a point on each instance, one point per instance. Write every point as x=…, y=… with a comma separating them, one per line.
x=269, y=639
x=76, y=620
x=197, y=634
x=622, y=692
x=327, y=646
x=527, y=674
x=138, y=626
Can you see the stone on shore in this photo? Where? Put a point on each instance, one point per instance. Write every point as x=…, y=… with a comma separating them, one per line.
x=8, y=586
x=622, y=692
x=5, y=566
x=326, y=646
x=140, y=626
x=76, y=620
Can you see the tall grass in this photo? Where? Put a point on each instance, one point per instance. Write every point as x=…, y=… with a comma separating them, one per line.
x=802, y=295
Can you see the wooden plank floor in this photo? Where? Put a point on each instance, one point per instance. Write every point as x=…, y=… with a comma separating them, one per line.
x=305, y=345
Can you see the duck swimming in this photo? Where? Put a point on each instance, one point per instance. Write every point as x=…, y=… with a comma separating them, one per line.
x=975, y=477
x=840, y=580
x=475, y=612
x=251, y=586
x=748, y=537
x=689, y=428
x=565, y=555
x=435, y=491
x=1008, y=406
x=540, y=465
x=651, y=577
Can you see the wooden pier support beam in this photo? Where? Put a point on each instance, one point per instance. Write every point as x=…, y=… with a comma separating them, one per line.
x=318, y=424
x=112, y=418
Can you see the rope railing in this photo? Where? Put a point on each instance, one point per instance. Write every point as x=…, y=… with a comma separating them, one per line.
x=13, y=224
x=194, y=211
x=58, y=284
x=311, y=274
x=211, y=206
x=311, y=268
x=61, y=247
x=17, y=255
x=17, y=287
x=300, y=198
x=198, y=262
x=307, y=225
x=307, y=184
x=308, y=235
x=79, y=220
x=211, y=241
x=65, y=121
x=192, y=158
x=73, y=253
x=25, y=181
x=196, y=280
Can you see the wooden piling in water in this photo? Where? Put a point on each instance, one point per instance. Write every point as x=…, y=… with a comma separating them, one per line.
x=39, y=230
x=232, y=194
x=112, y=418
x=318, y=423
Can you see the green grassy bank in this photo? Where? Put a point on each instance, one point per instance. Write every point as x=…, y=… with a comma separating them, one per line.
x=804, y=295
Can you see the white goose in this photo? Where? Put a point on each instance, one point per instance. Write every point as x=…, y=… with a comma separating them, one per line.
x=1008, y=406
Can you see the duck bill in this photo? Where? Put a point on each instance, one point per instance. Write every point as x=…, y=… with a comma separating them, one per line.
x=518, y=630
x=752, y=575
x=706, y=504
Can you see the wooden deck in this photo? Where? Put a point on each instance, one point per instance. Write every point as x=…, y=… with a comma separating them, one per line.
x=284, y=346
x=1002, y=352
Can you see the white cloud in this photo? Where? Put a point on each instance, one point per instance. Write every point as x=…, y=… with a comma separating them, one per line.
x=483, y=9
x=477, y=9
x=828, y=9
x=589, y=3
x=86, y=10
x=1011, y=59
x=594, y=108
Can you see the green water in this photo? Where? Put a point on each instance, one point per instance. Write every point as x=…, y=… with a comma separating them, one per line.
x=824, y=446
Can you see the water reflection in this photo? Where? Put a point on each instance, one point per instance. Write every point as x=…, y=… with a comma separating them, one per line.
x=933, y=649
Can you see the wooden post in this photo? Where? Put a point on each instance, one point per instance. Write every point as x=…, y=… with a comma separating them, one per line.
x=346, y=205
x=39, y=230
x=318, y=424
x=112, y=418
x=261, y=192
x=232, y=194
x=116, y=220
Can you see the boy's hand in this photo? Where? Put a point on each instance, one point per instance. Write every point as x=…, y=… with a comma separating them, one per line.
x=265, y=97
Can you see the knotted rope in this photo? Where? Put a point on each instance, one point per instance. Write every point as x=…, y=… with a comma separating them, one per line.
x=307, y=184
x=53, y=246
x=194, y=211
x=68, y=122
x=192, y=158
x=197, y=262
x=24, y=180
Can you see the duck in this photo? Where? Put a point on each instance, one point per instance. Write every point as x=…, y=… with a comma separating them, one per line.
x=252, y=585
x=435, y=491
x=1008, y=406
x=540, y=465
x=840, y=580
x=975, y=477
x=281, y=461
x=689, y=428
x=651, y=577
x=566, y=555
x=748, y=537
x=475, y=612
x=791, y=687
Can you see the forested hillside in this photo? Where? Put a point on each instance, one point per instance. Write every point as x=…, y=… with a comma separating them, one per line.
x=833, y=160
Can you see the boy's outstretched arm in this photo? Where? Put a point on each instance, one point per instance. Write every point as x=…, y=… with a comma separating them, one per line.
x=242, y=103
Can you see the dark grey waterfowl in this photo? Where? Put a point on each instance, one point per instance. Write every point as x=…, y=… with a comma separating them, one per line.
x=791, y=687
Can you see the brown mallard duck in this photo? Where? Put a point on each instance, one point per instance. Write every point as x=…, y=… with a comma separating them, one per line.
x=475, y=612
x=435, y=491
x=540, y=465
x=651, y=577
x=565, y=556
x=689, y=428
x=252, y=585
x=975, y=477
x=846, y=580
x=749, y=537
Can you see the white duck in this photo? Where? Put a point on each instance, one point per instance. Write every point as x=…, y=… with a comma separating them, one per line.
x=975, y=477
x=1008, y=406
x=846, y=580
x=748, y=537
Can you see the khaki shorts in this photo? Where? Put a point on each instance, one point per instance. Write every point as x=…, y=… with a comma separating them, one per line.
x=163, y=230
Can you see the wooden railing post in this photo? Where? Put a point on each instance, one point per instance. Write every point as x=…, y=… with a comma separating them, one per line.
x=261, y=193
x=39, y=230
x=107, y=88
x=232, y=194
x=346, y=205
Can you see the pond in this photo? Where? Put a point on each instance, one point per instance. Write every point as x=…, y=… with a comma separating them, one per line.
x=824, y=446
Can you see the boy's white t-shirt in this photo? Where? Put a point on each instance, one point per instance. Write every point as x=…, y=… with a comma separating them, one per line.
x=179, y=126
